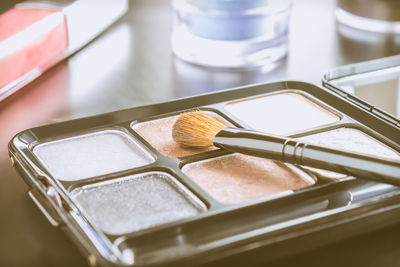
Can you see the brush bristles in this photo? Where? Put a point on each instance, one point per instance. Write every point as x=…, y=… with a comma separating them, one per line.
x=196, y=129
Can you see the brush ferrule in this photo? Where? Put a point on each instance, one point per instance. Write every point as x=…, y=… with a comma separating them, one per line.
x=289, y=150
x=260, y=145
x=251, y=143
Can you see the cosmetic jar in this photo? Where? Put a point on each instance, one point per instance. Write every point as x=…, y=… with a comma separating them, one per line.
x=370, y=15
x=230, y=33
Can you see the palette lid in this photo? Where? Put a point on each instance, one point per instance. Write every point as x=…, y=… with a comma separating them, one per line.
x=372, y=85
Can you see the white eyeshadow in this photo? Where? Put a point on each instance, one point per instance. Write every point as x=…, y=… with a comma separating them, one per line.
x=353, y=140
x=136, y=202
x=281, y=113
x=91, y=155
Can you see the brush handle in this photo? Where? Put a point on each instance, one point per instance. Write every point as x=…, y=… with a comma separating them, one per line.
x=292, y=151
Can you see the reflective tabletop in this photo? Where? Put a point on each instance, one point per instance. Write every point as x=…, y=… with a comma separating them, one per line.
x=130, y=65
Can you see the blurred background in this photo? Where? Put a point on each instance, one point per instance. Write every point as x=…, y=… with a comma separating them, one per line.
x=131, y=64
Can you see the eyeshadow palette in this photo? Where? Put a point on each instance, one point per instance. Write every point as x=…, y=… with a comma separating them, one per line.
x=129, y=195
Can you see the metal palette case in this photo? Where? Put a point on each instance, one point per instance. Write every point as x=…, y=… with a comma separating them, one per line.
x=77, y=168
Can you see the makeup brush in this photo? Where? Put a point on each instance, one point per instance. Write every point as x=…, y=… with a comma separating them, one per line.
x=196, y=129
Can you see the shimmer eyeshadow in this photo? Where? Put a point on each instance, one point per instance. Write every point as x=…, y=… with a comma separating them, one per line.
x=159, y=134
x=353, y=140
x=282, y=113
x=237, y=178
x=92, y=154
x=137, y=202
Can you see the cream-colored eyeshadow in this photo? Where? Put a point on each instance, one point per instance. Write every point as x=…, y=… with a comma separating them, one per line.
x=349, y=139
x=353, y=140
x=281, y=114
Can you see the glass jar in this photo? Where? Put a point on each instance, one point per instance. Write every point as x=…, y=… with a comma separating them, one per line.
x=230, y=33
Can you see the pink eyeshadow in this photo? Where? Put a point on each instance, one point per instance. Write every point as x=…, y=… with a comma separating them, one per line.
x=158, y=133
x=236, y=178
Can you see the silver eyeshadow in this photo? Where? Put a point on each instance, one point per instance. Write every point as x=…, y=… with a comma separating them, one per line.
x=136, y=202
x=92, y=154
x=281, y=113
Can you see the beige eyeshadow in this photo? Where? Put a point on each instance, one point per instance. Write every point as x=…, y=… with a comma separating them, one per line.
x=237, y=178
x=281, y=113
x=159, y=134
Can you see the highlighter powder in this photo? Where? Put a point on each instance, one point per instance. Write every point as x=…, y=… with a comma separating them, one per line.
x=281, y=113
x=237, y=178
x=136, y=202
x=159, y=134
x=353, y=140
x=91, y=155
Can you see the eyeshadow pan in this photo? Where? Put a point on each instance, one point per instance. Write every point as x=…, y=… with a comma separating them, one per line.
x=353, y=140
x=159, y=134
x=237, y=178
x=92, y=154
x=137, y=202
x=281, y=113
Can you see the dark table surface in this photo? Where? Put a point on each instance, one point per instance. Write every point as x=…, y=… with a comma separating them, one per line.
x=130, y=65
